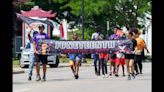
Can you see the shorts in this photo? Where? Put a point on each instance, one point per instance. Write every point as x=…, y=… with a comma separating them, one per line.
x=120, y=61
x=129, y=56
x=41, y=58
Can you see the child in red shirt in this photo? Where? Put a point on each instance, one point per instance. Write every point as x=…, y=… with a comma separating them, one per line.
x=103, y=62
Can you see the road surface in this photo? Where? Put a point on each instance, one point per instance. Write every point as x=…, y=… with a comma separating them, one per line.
x=62, y=80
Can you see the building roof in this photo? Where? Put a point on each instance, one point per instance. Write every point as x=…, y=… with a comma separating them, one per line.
x=38, y=12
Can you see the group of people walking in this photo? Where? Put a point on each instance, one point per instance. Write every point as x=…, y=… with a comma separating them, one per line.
x=132, y=60
x=116, y=59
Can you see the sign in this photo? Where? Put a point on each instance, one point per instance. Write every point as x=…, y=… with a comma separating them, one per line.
x=103, y=46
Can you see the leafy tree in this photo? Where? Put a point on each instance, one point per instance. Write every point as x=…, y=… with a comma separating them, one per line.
x=125, y=13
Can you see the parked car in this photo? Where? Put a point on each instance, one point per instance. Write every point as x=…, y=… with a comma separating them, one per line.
x=53, y=60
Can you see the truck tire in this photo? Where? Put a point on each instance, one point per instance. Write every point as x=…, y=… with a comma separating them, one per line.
x=23, y=66
x=55, y=65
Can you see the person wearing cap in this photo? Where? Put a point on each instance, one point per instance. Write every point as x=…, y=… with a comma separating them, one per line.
x=40, y=57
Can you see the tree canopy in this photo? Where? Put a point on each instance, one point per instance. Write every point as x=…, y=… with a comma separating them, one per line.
x=124, y=13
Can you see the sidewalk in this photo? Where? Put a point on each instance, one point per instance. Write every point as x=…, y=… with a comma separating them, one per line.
x=18, y=70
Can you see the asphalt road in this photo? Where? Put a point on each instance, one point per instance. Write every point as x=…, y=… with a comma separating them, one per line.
x=62, y=80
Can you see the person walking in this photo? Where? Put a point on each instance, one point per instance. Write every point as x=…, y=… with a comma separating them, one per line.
x=97, y=36
x=103, y=63
x=75, y=59
x=114, y=55
x=40, y=56
x=138, y=51
x=129, y=56
x=32, y=60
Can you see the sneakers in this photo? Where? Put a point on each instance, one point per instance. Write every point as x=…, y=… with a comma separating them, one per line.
x=29, y=78
x=137, y=73
x=116, y=75
x=129, y=78
x=123, y=75
x=133, y=75
x=103, y=76
x=106, y=75
x=44, y=78
x=38, y=78
x=76, y=76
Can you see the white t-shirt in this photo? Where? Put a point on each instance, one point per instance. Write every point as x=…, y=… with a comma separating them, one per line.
x=96, y=36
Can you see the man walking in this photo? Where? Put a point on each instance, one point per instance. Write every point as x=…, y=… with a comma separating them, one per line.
x=37, y=41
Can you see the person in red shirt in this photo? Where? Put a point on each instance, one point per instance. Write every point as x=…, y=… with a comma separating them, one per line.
x=103, y=62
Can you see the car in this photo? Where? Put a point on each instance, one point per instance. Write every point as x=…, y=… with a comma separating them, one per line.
x=53, y=60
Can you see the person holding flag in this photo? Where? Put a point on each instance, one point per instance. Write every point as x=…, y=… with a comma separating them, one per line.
x=31, y=34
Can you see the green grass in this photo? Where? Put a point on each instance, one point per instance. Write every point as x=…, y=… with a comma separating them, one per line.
x=89, y=61
x=15, y=62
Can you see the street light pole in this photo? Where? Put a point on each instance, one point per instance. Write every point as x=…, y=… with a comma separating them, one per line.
x=82, y=19
x=107, y=28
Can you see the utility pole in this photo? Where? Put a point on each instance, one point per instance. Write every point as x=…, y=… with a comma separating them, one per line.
x=82, y=19
x=107, y=28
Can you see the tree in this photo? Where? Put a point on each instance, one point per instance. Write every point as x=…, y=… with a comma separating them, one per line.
x=124, y=13
x=119, y=12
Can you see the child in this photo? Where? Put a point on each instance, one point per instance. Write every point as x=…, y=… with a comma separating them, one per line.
x=112, y=62
x=103, y=62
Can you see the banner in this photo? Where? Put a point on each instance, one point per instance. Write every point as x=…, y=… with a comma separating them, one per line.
x=50, y=47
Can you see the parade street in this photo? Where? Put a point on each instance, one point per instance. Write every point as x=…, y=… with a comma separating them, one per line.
x=61, y=80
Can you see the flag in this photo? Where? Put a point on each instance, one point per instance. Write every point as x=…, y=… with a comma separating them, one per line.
x=61, y=31
x=29, y=21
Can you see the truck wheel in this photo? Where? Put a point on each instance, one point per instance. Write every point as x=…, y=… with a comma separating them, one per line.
x=23, y=66
x=57, y=63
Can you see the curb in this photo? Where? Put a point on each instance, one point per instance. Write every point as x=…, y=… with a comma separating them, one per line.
x=18, y=72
